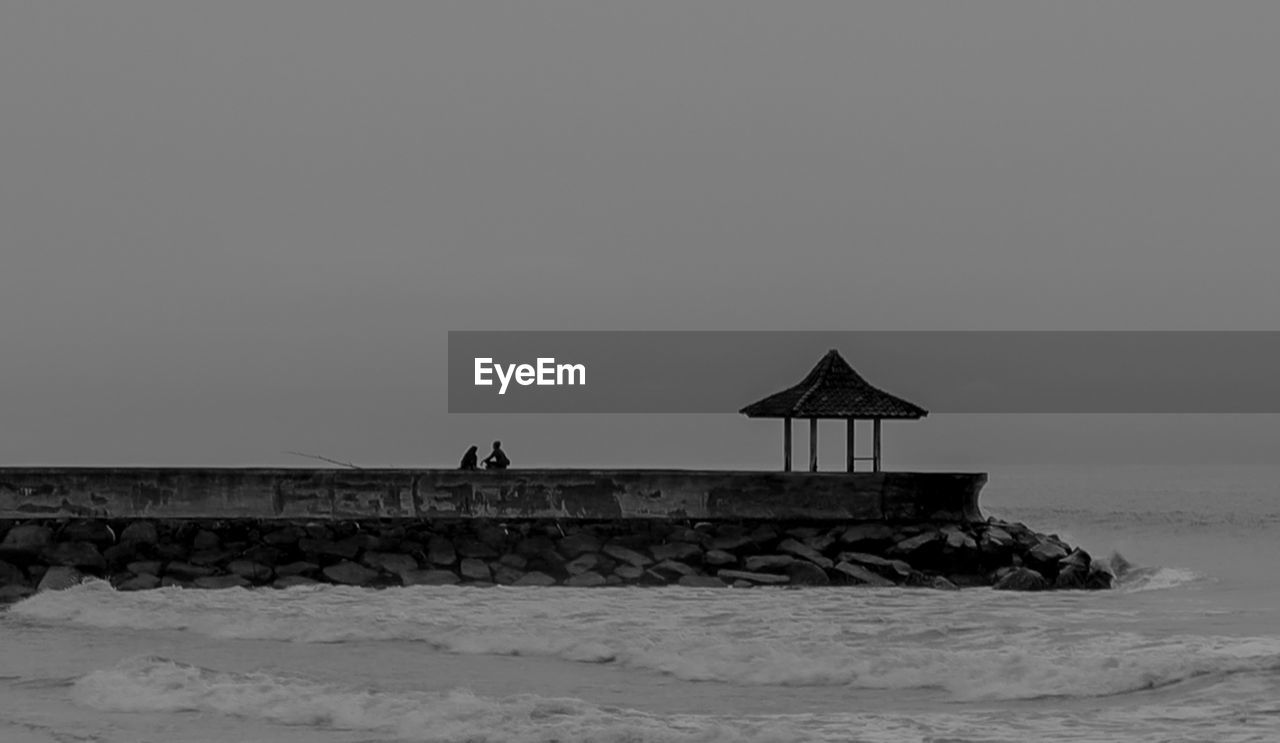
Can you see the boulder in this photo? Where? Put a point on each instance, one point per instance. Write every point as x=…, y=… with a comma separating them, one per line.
x=205, y=540
x=512, y=560
x=764, y=534
x=120, y=554
x=582, y=563
x=628, y=572
x=254, y=572
x=892, y=569
x=588, y=579
x=140, y=532
x=768, y=563
x=1071, y=576
x=283, y=537
x=169, y=581
x=350, y=574
x=319, y=547
x=60, y=577
x=803, y=551
x=804, y=573
x=75, y=554
x=185, y=571
x=577, y=544
x=629, y=556
x=920, y=549
x=144, y=582
x=26, y=540
x=672, y=570
x=145, y=567
x=473, y=568
x=505, y=575
x=440, y=551
x=11, y=575
x=867, y=536
x=940, y=583
x=475, y=549
x=612, y=580
x=719, y=558
x=433, y=577
x=298, y=568
x=93, y=531
x=1021, y=579
x=14, y=592
x=700, y=581
x=212, y=557
x=730, y=543
x=996, y=542
x=753, y=578
x=535, y=578
x=678, y=551
x=531, y=546
x=1046, y=552
x=390, y=562
x=218, y=582
x=1099, y=578
x=819, y=543
x=289, y=581
x=858, y=575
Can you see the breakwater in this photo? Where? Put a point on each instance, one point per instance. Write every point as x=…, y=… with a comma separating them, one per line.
x=218, y=528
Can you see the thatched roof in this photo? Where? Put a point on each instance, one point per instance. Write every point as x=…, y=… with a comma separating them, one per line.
x=833, y=390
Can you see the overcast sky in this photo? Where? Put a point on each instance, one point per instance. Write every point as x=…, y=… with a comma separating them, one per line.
x=230, y=228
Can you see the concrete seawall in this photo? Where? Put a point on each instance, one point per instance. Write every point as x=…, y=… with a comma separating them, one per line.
x=318, y=494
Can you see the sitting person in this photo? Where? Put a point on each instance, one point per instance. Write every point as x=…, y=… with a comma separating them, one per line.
x=497, y=459
x=469, y=459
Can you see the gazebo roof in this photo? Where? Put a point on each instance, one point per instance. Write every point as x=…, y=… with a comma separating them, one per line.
x=833, y=390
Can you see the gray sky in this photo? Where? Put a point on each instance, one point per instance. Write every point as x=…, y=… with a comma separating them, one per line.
x=233, y=228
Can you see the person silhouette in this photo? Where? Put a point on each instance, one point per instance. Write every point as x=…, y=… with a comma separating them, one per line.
x=497, y=459
x=469, y=459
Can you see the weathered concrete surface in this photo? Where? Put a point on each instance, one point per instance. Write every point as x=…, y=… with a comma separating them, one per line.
x=57, y=492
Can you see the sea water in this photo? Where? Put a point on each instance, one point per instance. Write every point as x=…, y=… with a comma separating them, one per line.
x=1187, y=648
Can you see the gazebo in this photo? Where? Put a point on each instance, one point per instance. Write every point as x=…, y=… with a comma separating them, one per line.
x=833, y=390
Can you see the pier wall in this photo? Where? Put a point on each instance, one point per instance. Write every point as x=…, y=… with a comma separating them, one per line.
x=320, y=494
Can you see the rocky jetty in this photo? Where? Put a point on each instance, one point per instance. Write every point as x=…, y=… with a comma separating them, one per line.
x=144, y=554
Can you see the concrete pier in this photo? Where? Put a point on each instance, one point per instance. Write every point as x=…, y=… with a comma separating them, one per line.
x=311, y=494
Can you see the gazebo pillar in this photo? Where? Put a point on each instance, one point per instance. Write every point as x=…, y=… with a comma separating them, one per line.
x=848, y=444
x=876, y=451
x=813, y=444
x=786, y=444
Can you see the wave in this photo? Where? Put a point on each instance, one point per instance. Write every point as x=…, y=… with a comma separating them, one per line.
x=158, y=684
x=1132, y=578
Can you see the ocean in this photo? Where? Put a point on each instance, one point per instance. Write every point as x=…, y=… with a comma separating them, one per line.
x=1187, y=648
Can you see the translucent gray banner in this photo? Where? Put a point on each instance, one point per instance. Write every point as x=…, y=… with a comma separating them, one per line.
x=941, y=371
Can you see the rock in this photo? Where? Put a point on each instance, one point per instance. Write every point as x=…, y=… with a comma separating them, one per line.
x=186, y=571
x=434, y=577
x=628, y=572
x=677, y=551
x=753, y=578
x=802, y=532
x=473, y=568
x=578, y=544
x=75, y=554
x=343, y=550
x=535, y=578
x=475, y=549
x=144, y=582
x=804, y=573
x=1021, y=579
x=612, y=580
x=28, y=539
x=701, y=581
x=254, y=572
x=921, y=548
x=300, y=567
x=719, y=558
x=350, y=574
x=803, y=551
x=769, y=563
x=942, y=584
x=1046, y=553
x=1077, y=557
x=1099, y=578
x=859, y=575
x=59, y=578
x=968, y=580
x=534, y=545
x=958, y=541
x=730, y=543
x=162, y=551
x=211, y=557
x=672, y=570
x=629, y=556
x=95, y=532
x=1071, y=576
x=764, y=534
x=205, y=540
x=218, y=582
x=145, y=567
x=892, y=569
x=119, y=554
x=289, y=581
x=14, y=592
x=139, y=532
x=587, y=579
x=11, y=575
x=283, y=537
x=867, y=536
x=391, y=562
x=820, y=543
x=440, y=551
x=169, y=581
x=996, y=542
x=582, y=563
x=512, y=560
x=505, y=575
